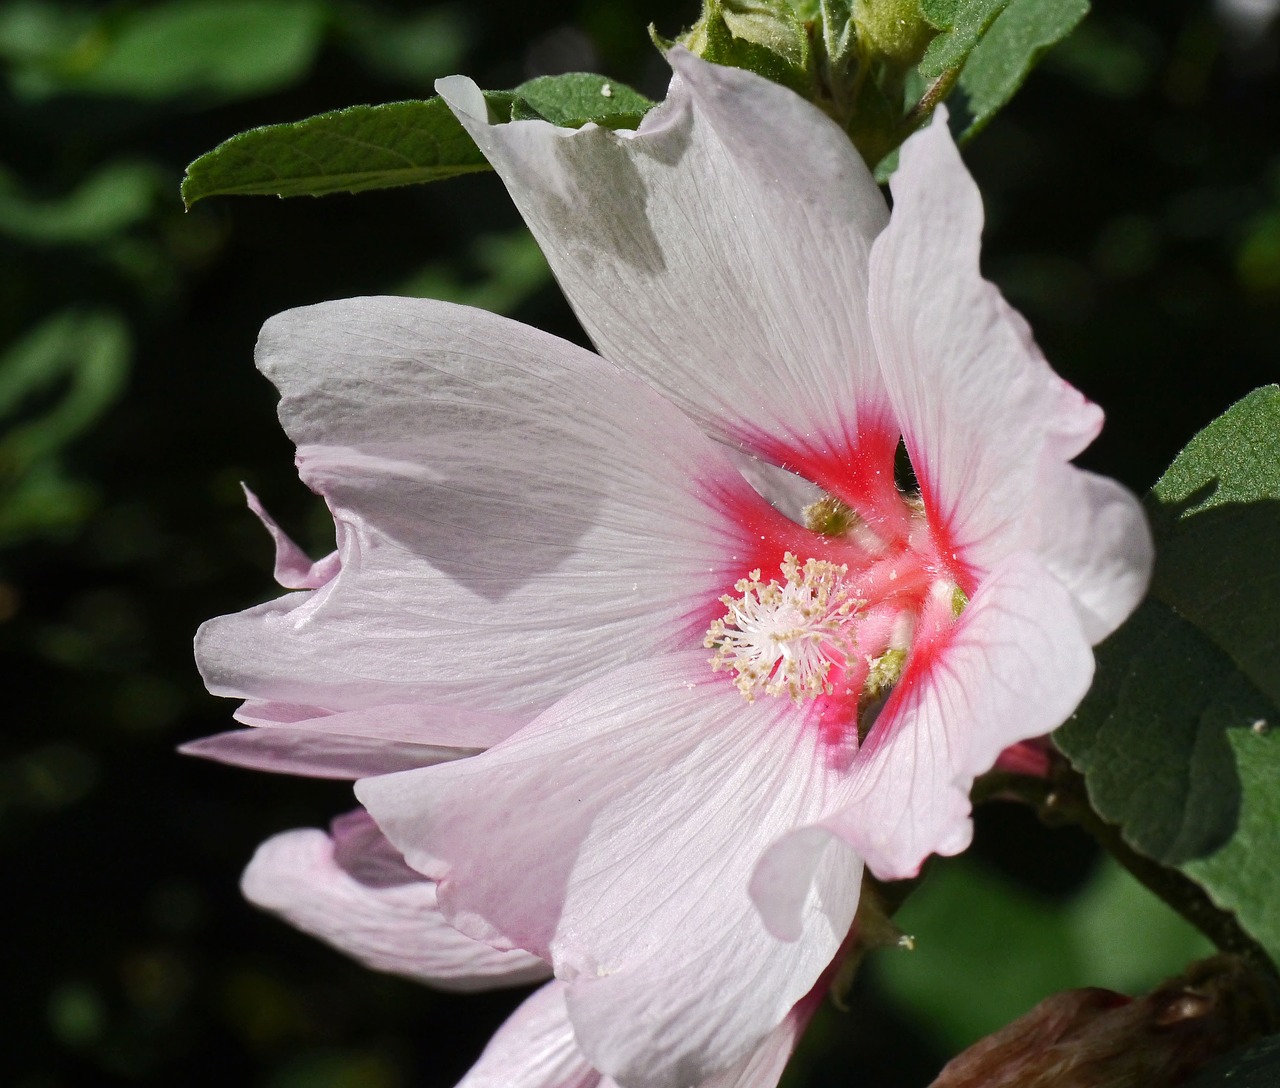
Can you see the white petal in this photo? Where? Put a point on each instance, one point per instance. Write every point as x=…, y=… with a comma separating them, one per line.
x=514, y=515
x=1094, y=538
x=1015, y=665
x=636, y=808
x=354, y=892
x=978, y=405
x=535, y=1048
x=720, y=252
x=352, y=744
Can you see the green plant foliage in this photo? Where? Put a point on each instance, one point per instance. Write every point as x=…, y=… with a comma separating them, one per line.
x=111, y=200
x=963, y=23
x=208, y=49
x=1244, y=876
x=575, y=98
x=766, y=38
x=1014, y=947
x=1176, y=740
x=1002, y=59
x=345, y=151
x=1216, y=515
x=400, y=143
x=71, y=368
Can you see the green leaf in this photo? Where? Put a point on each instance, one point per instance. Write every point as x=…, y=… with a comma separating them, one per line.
x=1177, y=738
x=1244, y=876
x=346, y=151
x=966, y=22
x=217, y=49
x=1004, y=57
x=1151, y=737
x=400, y=143
x=1217, y=519
x=576, y=98
x=1253, y=1066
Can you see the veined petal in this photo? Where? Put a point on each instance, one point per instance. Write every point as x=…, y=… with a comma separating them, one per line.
x=535, y=1048
x=355, y=743
x=643, y=802
x=978, y=404
x=720, y=252
x=515, y=515
x=353, y=891
x=1014, y=666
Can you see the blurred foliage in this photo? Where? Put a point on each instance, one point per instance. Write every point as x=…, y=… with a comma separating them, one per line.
x=1133, y=192
x=974, y=928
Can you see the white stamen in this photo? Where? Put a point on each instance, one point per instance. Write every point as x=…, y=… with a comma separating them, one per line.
x=786, y=637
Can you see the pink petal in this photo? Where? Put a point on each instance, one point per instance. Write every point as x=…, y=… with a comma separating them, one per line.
x=294, y=568
x=352, y=744
x=636, y=808
x=1094, y=539
x=354, y=892
x=1015, y=666
x=535, y=1048
x=514, y=516
x=720, y=252
x=980, y=408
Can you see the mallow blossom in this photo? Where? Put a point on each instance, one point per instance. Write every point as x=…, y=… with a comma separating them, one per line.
x=351, y=889
x=705, y=653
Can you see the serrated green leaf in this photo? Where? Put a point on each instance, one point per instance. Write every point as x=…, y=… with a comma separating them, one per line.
x=1176, y=740
x=576, y=98
x=1001, y=61
x=967, y=21
x=346, y=151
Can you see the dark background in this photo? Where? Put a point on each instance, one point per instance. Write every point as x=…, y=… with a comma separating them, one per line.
x=1133, y=195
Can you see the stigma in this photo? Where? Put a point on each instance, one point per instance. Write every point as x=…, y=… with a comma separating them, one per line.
x=785, y=637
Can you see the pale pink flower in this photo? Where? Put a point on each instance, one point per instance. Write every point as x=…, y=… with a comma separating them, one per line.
x=684, y=688
x=352, y=890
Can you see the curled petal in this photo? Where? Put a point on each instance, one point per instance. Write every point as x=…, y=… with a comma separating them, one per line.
x=482, y=565
x=352, y=744
x=354, y=892
x=294, y=569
